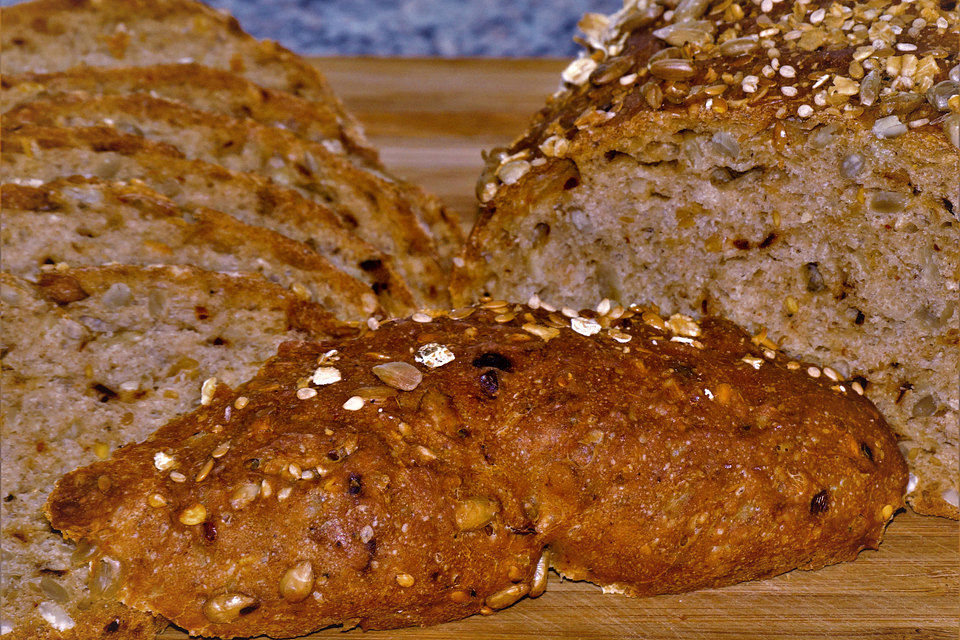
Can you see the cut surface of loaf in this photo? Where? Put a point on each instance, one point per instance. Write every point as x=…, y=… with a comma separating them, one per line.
x=32, y=154
x=200, y=87
x=393, y=216
x=433, y=470
x=45, y=36
x=763, y=168
x=95, y=358
x=87, y=222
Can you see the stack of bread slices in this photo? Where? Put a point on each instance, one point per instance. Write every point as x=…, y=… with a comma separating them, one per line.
x=178, y=199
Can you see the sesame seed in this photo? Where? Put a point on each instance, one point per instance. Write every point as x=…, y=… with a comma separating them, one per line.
x=789, y=91
x=373, y=324
x=240, y=402
x=769, y=354
x=817, y=16
x=570, y=313
x=354, y=403
x=804, y=111
x=284, y=493
x=906, y=46
x=604, y=307
x=221, y=450
x=942, y=23
x=766, y=6
x=813, y=372
x=857, y=387
x=830, y=373
x=788, y=71
x=323, y=376
x=821, y=80
x=434, y=355
x=306, y=393
x=176, y=476
x=585, y=326
x=163, y=461
x=405, y=580
x=887, y=511
x=156, y=501
x=421, y=317
x=793, y=365
x=207, y=389
x=204, y=471
x=534, y=302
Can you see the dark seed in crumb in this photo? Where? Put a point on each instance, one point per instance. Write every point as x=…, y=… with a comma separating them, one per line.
x=354, y=484
x=820, y=503
x=209, y=531
x=490, y=382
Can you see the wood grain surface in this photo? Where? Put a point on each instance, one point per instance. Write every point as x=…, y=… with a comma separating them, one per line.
x=431, y=119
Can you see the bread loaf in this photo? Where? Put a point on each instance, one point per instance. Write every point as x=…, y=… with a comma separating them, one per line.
x=44, y=153
x=396, y=217
x=437, y=467
x=93, y=359
x=790, y=166
x=44, y=36
x=87, y=222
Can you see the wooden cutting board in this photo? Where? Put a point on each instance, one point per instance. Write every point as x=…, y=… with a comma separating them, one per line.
x=431, y=119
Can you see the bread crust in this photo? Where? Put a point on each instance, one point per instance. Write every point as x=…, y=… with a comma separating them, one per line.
x=394, y=215
x=684, y=447
x=42, y=153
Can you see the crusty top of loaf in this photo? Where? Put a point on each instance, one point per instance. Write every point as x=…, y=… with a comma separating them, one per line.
x=416, y=474
x=887, y=65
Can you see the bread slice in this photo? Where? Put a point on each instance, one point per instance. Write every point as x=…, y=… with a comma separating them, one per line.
x=393, y=216
x=91, y=359
x=87, y=222
x=43, y=153
x=202, y=88
x=647, y=456
x=790, y=179
x=45, y=36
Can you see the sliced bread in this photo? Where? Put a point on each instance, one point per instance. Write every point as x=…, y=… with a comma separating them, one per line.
x=87, y=221
x=32, y=154
x=396, y=217
x=793, y=168
x=93, y=359
x=200, y=87
x=53, y=35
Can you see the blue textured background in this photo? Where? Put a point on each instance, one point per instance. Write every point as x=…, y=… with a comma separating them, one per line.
x=446, y=28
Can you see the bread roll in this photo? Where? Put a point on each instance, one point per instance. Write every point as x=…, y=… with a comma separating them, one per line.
x=435, y=468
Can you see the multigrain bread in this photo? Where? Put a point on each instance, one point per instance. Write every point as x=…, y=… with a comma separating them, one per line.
x=200, y=87
x=436, y=468
x=44, y=36
x=87, y=222
x=93, y=359
x=32, y=153
x=790, y=166
x=396, y=217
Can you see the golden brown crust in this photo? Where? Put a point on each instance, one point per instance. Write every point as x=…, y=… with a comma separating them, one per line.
x=701, y=457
